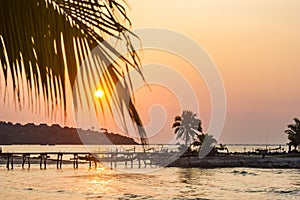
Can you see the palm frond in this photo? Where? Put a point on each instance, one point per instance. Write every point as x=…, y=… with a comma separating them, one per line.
x=180, y=133
x=176, y=124
x=297, y=121
x=293, y=132
x=42, y=41
x=176, y=130
x=177, y=118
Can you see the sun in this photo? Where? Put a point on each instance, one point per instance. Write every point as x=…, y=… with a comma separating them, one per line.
x=99, y=93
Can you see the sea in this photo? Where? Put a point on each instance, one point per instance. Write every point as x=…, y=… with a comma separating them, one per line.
x=134, y=183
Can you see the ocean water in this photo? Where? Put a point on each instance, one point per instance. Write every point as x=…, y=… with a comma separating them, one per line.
x=160, y=183
x=166, y=183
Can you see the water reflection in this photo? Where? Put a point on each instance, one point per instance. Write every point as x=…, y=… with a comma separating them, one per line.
x=193, y=175
x=168, y=183
x=193, y=181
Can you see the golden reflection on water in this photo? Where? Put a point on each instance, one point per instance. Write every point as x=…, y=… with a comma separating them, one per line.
x=100, y=181
x=167, y=183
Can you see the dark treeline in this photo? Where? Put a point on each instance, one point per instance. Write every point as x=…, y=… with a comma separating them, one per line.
x=44, y=134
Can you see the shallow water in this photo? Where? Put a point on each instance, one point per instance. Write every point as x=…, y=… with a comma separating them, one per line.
x=166, y=183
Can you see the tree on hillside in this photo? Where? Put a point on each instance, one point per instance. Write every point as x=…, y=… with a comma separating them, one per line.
x=42, y=42
x=187, y=126
x=293, y=132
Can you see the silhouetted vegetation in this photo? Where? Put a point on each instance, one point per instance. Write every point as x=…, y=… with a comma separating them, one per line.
x=41, y=40
x=293, y=132
x=205, y=142
x=44, y=134
x=187, y=126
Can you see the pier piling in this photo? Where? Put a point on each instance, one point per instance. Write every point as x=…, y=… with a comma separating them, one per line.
x=91, y=158
x=24, y=157
x=139, y=159
x=7, y=164
x=12, y=161
x=75, y=161
x=43, y=160
x=10, y=158
x=59, y=160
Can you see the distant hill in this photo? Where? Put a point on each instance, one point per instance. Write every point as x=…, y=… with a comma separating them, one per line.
x=55, y=134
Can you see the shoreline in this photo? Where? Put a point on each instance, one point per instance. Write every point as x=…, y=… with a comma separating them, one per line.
x=225, y=161
x=238, y=161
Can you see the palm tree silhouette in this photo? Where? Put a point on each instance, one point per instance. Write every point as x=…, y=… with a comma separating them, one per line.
x=187, y=126
x=206, y=140
x=42, y=42
x=293, y=132
x=207, y=144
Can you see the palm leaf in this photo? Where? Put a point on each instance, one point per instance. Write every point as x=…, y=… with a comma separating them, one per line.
x=42, y=40
x=176, y=124
x=293, y=132
x=177, y=118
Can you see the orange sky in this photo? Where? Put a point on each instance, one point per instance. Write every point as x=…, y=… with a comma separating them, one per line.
x=254, y=43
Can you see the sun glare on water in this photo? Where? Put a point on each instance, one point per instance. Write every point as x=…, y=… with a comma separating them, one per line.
x=99, y=93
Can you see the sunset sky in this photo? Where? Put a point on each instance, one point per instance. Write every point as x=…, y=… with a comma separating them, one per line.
x=256, y=46
x=254, y=43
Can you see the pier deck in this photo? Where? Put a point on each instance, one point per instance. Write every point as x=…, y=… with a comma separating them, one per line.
x=114, y=158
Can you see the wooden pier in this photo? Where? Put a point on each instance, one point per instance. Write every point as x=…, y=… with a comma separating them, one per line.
x=43, y=157
x=115, y=158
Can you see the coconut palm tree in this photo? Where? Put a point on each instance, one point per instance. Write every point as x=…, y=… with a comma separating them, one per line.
x=293, y=132
x=187, y=126
x=42, y=42
x=208, y=143
x=206, y=139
